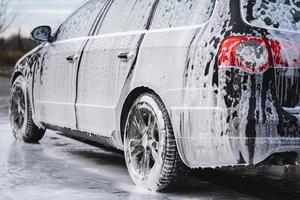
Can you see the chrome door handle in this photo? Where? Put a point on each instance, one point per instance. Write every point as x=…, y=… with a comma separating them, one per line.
x=72, y=58
x=126, y=56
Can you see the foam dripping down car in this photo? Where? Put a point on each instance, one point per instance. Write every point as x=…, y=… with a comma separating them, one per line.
x=174, y=84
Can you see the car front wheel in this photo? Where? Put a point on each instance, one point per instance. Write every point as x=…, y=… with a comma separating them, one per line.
x=21, y=120
x=150, y=147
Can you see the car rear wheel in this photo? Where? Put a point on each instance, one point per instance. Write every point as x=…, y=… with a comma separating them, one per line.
x=21, y=120
x=150, y=147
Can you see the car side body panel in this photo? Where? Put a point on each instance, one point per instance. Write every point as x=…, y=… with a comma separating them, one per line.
x=106, y=62
x=54, y=90
x=183, y=62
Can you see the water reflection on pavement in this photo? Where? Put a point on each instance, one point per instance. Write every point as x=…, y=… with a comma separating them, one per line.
x=60, y=168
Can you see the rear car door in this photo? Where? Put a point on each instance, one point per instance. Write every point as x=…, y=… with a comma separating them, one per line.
x=54, y=86
x=106, y=62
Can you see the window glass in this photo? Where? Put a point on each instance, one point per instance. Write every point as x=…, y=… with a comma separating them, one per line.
x=80, y=23
x=281, y=14
x=175, y=13
x=126, y=15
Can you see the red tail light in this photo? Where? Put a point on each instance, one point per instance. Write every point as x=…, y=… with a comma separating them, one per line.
x=255, y=54
x=285, y=54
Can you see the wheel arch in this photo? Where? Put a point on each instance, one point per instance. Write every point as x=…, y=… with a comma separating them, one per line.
x=15, y=76
x=133, y=95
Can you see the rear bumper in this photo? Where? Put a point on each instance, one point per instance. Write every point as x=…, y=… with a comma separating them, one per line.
x=207, y=138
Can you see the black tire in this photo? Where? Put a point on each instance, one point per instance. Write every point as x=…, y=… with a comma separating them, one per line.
x=23, y=126
x=169, y=165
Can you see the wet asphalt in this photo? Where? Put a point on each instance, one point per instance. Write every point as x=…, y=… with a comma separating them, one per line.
x=60, y=168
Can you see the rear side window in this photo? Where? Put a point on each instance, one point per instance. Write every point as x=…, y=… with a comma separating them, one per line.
x=80, y=23
x=279, y=14
x=126, y=15
x=176, y=13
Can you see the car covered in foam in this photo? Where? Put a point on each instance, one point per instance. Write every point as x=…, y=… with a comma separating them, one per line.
x=174, y=84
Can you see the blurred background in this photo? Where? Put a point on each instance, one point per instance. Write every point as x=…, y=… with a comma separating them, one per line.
x=18, y=18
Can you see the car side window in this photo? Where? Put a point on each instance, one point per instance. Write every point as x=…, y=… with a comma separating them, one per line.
x=278, y=14
x=81, y=21
x=126, y=15
x=176, y=13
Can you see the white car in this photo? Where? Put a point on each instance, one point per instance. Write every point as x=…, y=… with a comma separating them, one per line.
x=175, y=84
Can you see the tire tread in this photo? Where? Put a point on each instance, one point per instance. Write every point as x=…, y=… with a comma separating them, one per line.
x=174, y=169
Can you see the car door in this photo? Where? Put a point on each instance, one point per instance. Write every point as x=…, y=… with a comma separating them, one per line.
x=54, y=86
x=106, y=62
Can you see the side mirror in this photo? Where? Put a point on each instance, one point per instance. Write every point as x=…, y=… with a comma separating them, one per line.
x=42, y=34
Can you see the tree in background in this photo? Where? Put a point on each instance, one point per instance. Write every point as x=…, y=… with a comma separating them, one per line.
x=13, y=48
x=7, y=16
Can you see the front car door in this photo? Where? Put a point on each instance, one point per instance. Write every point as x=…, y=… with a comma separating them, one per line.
x=55, y=82
x=106, y=62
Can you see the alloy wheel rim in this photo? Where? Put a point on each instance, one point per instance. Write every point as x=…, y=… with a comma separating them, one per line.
x=18, y=106
x=142, y=140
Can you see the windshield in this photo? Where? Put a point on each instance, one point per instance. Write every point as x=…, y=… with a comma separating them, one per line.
x=279, y=14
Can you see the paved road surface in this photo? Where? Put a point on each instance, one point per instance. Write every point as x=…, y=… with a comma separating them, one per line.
x=60, y=168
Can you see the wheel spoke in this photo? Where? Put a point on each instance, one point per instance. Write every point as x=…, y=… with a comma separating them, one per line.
x=21, y=119
x=16, y=97
x=152, y=129
x=135, y=151
x=136, y=124
x=135, y=142
x=140, y=119
x=22, y=105
x=13, y=111
x=16, y=118
x=18, y=108
x=22, y=112
x=154, y=149
x=135, y=129
x=146, y=162
x=149, y=124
